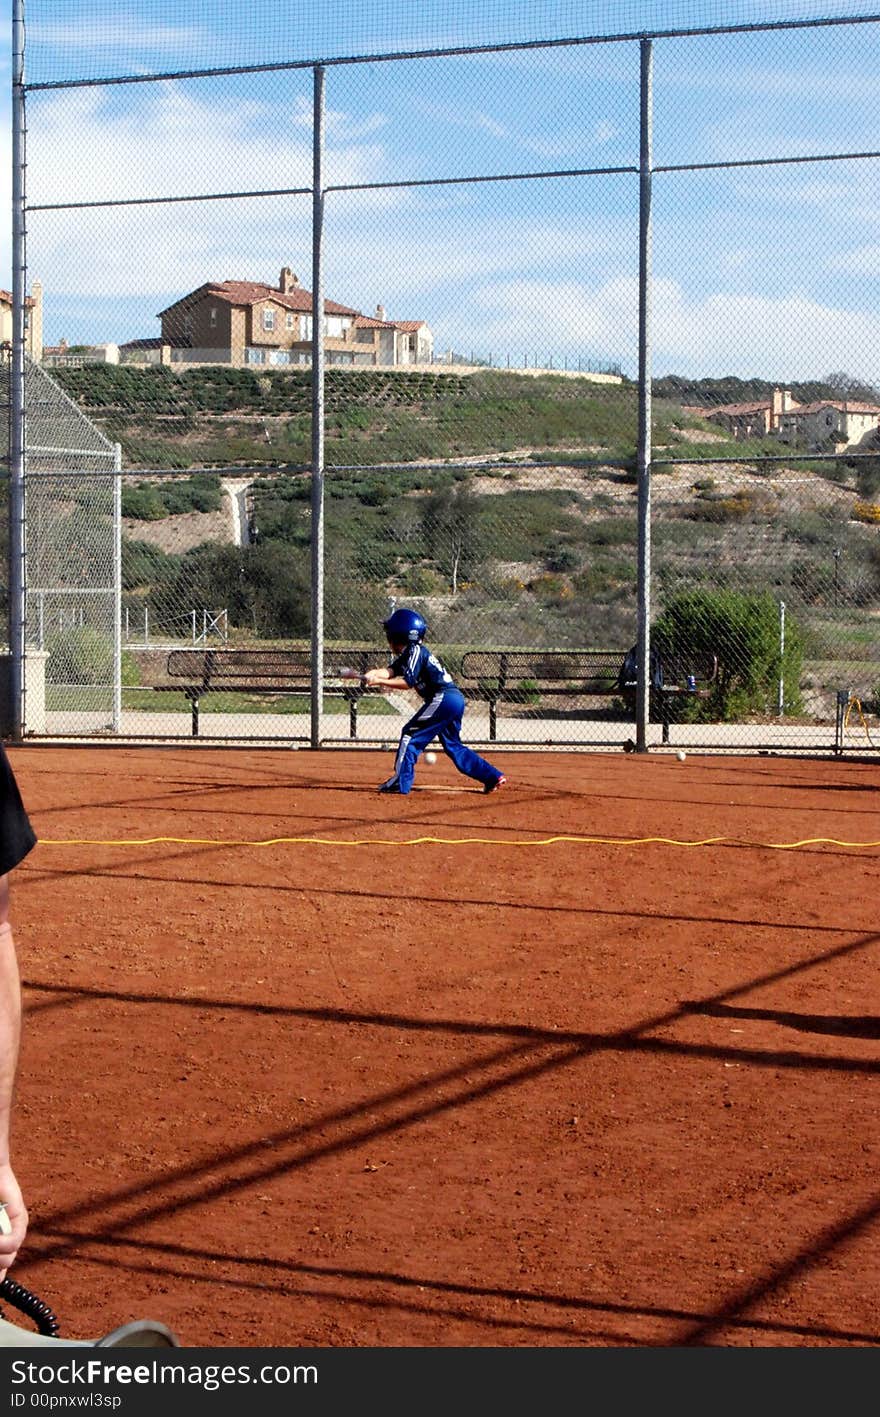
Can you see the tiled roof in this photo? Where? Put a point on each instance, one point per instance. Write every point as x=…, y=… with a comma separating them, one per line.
x=250, y=292
x=762, y=406
x=842, y=405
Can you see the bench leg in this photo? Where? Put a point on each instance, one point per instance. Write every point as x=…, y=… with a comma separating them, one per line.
x=493, y=719
x=352, y=718
x=195, y=715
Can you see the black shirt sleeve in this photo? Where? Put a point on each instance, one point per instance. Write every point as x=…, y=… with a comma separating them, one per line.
x=17, y=836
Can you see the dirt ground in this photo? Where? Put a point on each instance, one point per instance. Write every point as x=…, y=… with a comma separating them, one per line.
x=591, y=1062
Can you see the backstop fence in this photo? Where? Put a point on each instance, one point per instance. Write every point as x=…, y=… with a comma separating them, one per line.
x=597, y=365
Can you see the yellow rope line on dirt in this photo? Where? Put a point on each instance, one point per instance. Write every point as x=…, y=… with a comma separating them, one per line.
x=460, y=841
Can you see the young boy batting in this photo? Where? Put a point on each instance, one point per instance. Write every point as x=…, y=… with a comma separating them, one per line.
x=440, y=714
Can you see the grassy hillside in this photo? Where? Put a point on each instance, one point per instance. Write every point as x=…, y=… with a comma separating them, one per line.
x=219, y=417
x=505, y=553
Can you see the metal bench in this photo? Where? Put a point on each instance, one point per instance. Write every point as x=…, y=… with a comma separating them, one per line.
x=529, y=676
x=197, y=672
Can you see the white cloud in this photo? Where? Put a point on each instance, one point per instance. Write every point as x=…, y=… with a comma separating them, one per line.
x=337, y=124
x=790, y=338
x=554, y=147
x=170, y=143
x=122, y=32
x=862, y=261
x=572, y=146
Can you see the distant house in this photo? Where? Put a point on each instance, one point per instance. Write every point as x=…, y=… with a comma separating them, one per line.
x=247, y=323
x=33, y=321
x=66, y=356
x=841, y=422
x=758, y=419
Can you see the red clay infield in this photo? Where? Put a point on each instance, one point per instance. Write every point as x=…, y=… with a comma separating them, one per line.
x=498, y=1089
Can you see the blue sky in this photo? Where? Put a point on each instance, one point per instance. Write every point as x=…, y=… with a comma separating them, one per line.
x=770, y=271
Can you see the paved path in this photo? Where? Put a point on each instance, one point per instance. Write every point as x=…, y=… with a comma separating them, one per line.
x=588, y=735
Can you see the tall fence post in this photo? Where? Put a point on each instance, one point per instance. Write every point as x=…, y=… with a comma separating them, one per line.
x=643, y=689
x=117, y=587
x=781, y=701
x=17, y=399
x=317, y=499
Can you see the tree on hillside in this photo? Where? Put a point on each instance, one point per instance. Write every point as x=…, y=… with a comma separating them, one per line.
x=844, y=386
x=264, y=587
x=450, y=523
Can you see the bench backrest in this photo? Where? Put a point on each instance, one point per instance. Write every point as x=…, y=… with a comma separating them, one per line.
x=590, y=671
x=267, y=668
x=702, y=665
x=595, y=671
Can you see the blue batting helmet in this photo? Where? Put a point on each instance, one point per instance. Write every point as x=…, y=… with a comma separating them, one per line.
x=405, y=627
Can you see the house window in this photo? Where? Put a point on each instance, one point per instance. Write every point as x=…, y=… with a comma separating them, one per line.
x=289, y=320
x=268, y=319
x=829, y=419
x=254, y=356
x=213, y=317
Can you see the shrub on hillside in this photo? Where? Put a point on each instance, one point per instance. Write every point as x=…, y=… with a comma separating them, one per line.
x=743, y=632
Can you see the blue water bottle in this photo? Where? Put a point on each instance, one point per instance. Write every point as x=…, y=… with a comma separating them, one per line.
x=691, y=684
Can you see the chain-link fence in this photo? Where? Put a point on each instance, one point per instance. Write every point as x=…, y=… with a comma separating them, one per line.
x=597, y=363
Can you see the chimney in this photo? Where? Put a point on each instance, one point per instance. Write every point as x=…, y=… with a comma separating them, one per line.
x=288, y=280
x=380, y=312
x=781, y=402
x=35, y=323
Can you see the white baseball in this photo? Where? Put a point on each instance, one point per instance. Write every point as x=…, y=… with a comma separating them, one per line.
x=430, y=758
x=681, y=755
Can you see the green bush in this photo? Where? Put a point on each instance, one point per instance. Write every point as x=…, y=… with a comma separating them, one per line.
x=80, y=655
x=143, y=503
x=131, y=673
x=743, y=632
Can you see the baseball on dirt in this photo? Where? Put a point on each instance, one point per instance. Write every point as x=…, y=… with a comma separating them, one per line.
x=430, y=758
x=681, y=755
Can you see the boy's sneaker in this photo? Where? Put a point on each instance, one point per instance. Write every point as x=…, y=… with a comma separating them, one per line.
x=391, y=787
x=493, y=786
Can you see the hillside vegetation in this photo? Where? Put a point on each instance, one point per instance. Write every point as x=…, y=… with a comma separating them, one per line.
x=219, y=417
x=505, y=505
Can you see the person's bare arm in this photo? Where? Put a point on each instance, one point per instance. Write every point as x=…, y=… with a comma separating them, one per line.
x=10, y=1035
x=383, y=676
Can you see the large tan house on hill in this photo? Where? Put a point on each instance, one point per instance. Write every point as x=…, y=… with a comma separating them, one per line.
x=839, y=423
x=753, y=420
x=33, y=321
x=843, y=423
x=243, y=322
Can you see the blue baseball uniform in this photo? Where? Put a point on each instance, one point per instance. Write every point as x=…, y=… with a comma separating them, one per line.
x=438, y=717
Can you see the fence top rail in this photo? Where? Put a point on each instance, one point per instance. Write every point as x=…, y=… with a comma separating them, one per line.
x=453, y=51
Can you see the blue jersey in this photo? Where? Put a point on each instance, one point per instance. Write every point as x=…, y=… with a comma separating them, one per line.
x=423, y=671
